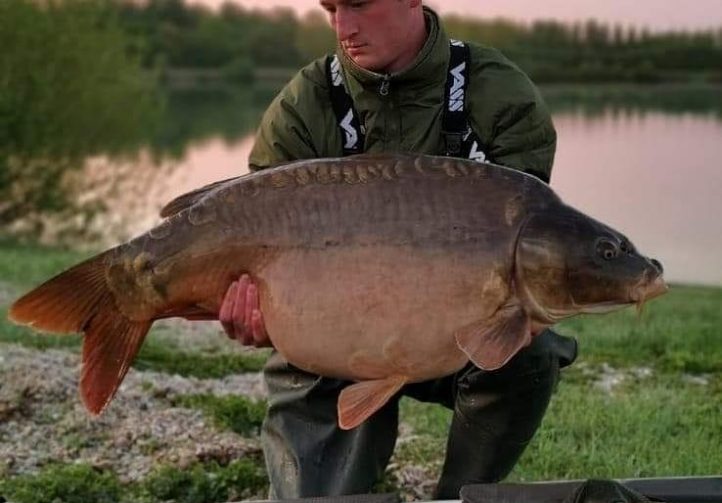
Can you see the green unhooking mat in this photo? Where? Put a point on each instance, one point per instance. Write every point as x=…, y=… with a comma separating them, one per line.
x=671, y=490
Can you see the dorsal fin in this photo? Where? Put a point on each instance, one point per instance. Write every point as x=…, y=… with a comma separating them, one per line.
x=190, y=198
x=379, y=156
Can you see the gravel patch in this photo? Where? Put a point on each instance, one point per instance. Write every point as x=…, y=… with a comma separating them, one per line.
x=42, y=419
x=163, y=385
x=607, y=378
x=415, y=483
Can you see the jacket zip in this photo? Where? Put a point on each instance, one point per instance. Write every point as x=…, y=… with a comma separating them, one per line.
x=385, y=84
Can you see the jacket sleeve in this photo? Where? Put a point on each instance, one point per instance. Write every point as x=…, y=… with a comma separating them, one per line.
x=513, y=117
x=285, y=133
x=282, y=135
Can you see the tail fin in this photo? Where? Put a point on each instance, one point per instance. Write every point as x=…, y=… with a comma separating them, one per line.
x=79, y=300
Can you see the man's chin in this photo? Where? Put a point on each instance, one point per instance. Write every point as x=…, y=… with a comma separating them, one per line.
x=366, y=62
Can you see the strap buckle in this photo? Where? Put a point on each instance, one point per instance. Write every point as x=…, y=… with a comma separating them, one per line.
x=453, y=142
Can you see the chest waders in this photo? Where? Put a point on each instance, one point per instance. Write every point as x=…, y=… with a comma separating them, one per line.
x=460, y=140
x=495, y=413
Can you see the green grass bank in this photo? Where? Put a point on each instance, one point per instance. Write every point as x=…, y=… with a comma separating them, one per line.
x=643, y=399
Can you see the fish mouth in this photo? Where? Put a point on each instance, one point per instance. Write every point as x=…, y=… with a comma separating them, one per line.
x=647, y=289
x=649, y=286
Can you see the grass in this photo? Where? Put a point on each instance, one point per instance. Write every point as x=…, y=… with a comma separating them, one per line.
x=24, y=266
x=681, y=331
x=207, y=483
x=661, y=427
x=161, y=358
x=63, y=483
x=156, y=354
x=662, y=424
x=81, y=483
x=235, y=413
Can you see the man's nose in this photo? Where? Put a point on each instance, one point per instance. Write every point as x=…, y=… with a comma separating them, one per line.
x=345, y=25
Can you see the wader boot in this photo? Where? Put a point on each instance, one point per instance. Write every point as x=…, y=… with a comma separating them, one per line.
x=495, y=416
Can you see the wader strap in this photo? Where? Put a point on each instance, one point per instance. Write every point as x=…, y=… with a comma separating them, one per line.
x=346, y=116
x=460, y=140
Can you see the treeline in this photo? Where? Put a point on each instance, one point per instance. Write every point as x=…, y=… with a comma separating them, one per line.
x=551, y=51
x=236, y=42
x=68, y=90
x=79, y=78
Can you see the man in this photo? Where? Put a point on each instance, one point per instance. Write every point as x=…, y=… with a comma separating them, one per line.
x=393, y=65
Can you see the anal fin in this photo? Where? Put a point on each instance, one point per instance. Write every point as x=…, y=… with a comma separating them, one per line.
x=359, y=401
x=492, y=342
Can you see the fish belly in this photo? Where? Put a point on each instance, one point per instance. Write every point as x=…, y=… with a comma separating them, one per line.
x=377, y=311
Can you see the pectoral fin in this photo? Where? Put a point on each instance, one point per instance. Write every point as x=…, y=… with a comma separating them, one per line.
x=358, y=402
x=492, y=342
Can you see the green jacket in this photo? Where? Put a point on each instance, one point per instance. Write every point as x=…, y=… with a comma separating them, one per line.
x=506, y=110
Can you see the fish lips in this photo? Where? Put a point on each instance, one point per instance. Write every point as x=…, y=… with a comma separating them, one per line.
x=652, y=285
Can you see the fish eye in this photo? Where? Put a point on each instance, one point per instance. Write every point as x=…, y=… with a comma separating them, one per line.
x=607, y=249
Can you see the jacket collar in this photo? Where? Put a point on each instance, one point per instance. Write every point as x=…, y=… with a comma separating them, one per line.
x=427, y=70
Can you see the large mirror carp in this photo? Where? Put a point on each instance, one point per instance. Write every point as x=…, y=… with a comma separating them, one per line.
x=383, y=270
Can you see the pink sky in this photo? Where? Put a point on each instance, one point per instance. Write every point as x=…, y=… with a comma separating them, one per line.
x=655, y=14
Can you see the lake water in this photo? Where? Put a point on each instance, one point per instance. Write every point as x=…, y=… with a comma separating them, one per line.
x=647, y=161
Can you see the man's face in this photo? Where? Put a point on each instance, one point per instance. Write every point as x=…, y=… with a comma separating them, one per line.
x=374, y=33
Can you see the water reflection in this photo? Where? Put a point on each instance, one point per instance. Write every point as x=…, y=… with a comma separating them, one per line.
x=134, y=192
x=650, y=168
x=653, y=176
x=597, y=100
x=193, y=116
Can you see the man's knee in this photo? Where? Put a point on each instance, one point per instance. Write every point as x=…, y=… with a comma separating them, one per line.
x=536, y=366
x=547, y=353
x=559, y=348
x=307, y=454
x=516, y=396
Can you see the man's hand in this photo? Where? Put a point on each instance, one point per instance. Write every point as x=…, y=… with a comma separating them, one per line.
x=241, y=316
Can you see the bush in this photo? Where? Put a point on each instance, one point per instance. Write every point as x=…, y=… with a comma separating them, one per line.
x=69, y=89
